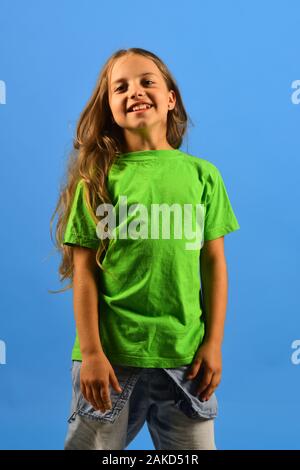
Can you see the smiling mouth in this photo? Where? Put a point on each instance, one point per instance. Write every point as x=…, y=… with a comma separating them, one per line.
x=141, y=110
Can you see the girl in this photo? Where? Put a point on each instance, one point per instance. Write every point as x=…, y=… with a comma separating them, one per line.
x=148, y=335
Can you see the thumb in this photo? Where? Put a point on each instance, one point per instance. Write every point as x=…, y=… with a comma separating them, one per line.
x=115, y=383
x=193, y=371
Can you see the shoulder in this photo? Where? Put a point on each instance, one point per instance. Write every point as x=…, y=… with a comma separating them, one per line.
x=80, y=186
x=79, y=192
x=80, y=183
x=205, y=168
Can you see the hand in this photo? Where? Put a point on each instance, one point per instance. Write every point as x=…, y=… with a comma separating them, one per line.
x=208, y=361
x=96, y=374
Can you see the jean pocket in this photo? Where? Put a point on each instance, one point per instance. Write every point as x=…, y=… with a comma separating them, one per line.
x=186, y=398
x=127, y=379
x=194, y=408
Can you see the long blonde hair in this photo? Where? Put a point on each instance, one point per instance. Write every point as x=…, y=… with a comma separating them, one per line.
x=97, y=143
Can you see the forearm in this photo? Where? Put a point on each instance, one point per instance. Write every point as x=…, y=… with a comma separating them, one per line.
x=214, y=281
x=85, y=301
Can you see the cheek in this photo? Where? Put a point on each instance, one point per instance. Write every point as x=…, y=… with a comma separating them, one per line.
x=118, y=107
x=115, y=104
x=162, y=100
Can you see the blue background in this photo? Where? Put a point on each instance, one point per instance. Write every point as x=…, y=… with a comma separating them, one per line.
x=234, y=62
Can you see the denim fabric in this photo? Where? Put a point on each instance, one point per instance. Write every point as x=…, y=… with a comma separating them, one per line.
x=184, y=393
x=175, y=416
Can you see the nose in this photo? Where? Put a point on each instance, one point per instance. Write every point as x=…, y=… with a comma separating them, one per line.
x=136, y=91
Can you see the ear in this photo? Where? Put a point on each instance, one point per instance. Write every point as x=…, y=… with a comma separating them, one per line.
x=172, y=100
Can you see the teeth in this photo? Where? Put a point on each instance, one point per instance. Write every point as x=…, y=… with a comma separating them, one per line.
x=141, y=106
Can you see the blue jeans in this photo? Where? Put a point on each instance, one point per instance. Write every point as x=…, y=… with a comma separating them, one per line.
x=175, y=417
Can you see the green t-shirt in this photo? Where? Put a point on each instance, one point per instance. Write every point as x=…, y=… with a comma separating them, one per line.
x=150, y=308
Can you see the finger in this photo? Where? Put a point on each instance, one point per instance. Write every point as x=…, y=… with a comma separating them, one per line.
x=114, y=382
x=205, y=380
x=83, y=390
x=87, y=393
x=105, y=397
x=206, y=394
x=90, y=398
x=193, y=371
x=96, y=391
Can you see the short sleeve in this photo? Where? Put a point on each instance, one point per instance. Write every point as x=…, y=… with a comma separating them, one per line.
x=80, y=228
x=219, y=216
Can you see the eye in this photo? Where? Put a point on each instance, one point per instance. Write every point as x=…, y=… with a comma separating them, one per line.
x=122, y=85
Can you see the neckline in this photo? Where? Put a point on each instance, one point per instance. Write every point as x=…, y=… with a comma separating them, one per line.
x=140, y=155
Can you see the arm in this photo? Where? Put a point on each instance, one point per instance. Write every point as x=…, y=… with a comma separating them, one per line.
x=85, y=301
x=208, y=359
x=96, y=371
x=214, y=282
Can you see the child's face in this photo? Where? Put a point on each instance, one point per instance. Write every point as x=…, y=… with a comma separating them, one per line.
x=127, y=86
